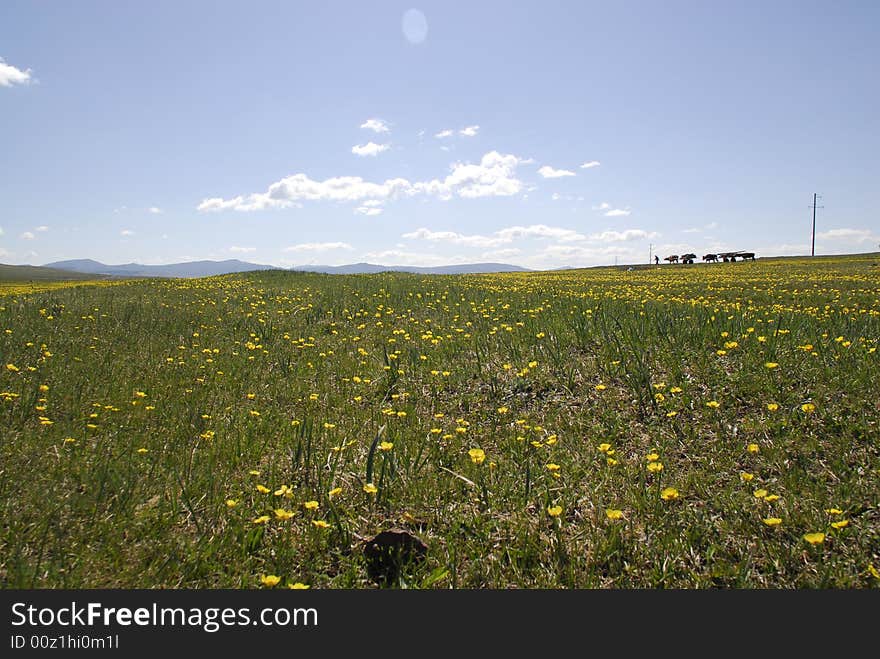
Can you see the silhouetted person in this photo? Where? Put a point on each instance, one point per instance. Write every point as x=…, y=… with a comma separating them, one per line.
x=656, y=260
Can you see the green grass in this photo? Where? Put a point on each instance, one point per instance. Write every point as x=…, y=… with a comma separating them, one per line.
x=163, y=401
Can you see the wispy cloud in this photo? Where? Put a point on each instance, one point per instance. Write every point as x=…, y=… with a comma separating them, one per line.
x=853, y=235
x=155, y=210
x=617, y=212
x=549, y=172
x=27, y=235
x=443, y=133
x=126, y=232
x=469, y=131
x=42, y=228
x=376, y=125
x=369, y=211
x=369, y=149
x=242, y=250
x=590, y=164
x=317, y=247
x=10, y=75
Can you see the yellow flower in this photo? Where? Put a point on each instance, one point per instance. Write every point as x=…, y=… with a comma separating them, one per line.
x=311, y=505
x=808, y=408
x=369, y=488
x=753, y=448
x=771, y=365
x=298, y=586
x=284, y=490
x=651, y=457
x=140, y=394
x=262, y=489
x=44, y=388
x=12, y=367
x=613, y=514
x=815, y=538
x=231, y=503
x=334, y=492
x=502, y=410
x=552, y=466
x=603, y=448
x=270, y=580
x=386, y=446
x=745, y=476
x=478, y=456
x=554, y=511
x=601, y=387
x=834, y=511
x=280, y=513
x=713, y=404
x=320, y=523
x=142, y=450
x=772, y=407
x=760, y=494
x=262, y=519
x=611, y=462
x=669, y=494
x=873, y=571
x=841, y=524
x=772, y=521
x=770, y=498
x=655, y=467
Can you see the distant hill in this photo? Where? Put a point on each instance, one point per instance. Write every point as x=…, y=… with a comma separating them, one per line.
x=189, y=269
x=37, y=273
x=370, y=268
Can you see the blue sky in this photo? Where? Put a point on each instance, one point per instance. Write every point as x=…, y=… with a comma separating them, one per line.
x=543, y=134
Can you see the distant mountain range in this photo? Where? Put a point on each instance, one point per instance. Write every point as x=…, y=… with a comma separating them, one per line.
x=189, y=269
x=370, y=268
x=211, y=268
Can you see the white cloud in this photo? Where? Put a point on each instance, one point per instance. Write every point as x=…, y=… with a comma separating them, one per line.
x=369, y=211
x=369, y=149
x=556, y=196
x=401, y=257
x=854, y=235
x=539, y=231
x=242, y=250
x=548, y=172
x=444, y=133
x=27, y=235
x=495, y=175
x=317, y=247
x=604, y=206
x=126, y=232
x=373, y=202
x=501, y=253
x=42, y=228
x=620, y=236
x=155, y=210
x=9, y=75
x=453, y=237
x=590, y=164
x=617, y=212
x=705, y=227
x=375, y=125
x=501, y=237
x=1, y=231
x=469, y=131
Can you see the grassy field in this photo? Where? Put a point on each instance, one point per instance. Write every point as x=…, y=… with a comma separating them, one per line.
x=681, y=426
x=22, y=279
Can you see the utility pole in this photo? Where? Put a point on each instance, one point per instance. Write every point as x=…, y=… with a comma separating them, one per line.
x=650, y=252
x=814, y=207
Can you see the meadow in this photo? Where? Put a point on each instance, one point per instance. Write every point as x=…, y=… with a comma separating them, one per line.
x=673, y=426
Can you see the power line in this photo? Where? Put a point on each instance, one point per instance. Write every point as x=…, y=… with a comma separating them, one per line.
x=814, y=207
